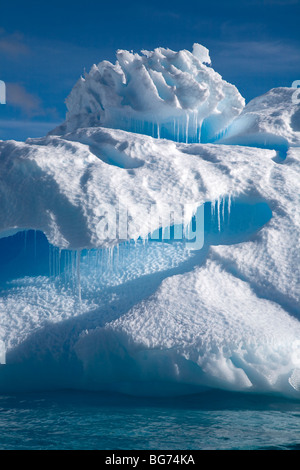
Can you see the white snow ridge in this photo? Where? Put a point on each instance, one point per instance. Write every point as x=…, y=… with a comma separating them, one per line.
x=139, y=310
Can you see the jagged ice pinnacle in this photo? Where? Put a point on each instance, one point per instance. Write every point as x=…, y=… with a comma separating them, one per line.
x=164, y=94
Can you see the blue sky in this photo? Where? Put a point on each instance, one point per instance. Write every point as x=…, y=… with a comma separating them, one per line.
x=45, y=46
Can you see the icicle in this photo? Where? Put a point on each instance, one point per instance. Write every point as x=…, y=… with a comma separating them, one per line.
x=59, y=260
x=53, y=262
x=50, y=250
x=223, y=209
x=112, y=248
x=212, y=209
x=117, y=256
x=107, y=258
x=78, y=256
x=34, y=245
x=111, y=257
x=229, y=207
x=187, y=128
x=219, y=214
x=196, y=126
x=200, y=131
x=65, y=266
x=70, y=265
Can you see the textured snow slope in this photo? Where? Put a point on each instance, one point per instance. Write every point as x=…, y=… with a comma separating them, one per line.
x=163, y=93
x=62, y=186
x=211, y=330
x=273, y=118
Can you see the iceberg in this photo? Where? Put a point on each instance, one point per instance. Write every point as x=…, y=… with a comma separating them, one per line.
x=87, y=304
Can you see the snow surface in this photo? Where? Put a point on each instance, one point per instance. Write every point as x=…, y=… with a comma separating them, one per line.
x=270, y=119
x=140, y=316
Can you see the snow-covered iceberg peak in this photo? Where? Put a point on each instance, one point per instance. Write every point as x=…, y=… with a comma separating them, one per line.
x=164, y=94
x=271, y=120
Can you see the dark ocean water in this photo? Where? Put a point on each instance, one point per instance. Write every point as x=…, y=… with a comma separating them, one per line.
x=214, y=420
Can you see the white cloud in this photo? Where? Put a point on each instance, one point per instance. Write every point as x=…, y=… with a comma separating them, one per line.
x=12, y=44
x=17, y=96
x=281, y=2
x=267, y=56
x=273, y=2
x=30, y=105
